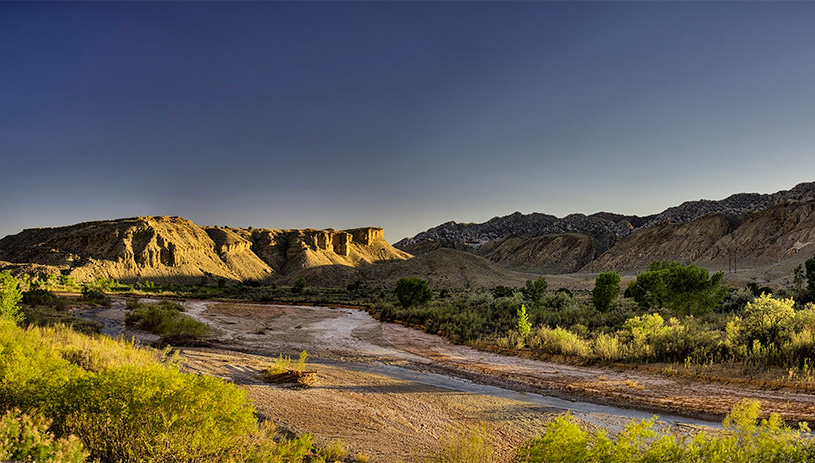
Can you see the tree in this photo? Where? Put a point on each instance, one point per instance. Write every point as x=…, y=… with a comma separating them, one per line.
x=412, y=291
x=684, y=290
x=534, y=291
x=299, y=285
x=810, y=274
x=524, y=327
x=606, y=289
x=10, y=296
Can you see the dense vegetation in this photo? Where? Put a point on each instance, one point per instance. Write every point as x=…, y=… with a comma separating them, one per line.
x=743, y=440
x=670, y=313
x=65, y=396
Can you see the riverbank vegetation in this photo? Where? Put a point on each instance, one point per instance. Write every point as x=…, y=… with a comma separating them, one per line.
x=69, y=397
x=166, y=318
x=744, y=439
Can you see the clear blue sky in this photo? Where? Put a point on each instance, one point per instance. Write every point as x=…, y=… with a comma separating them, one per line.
x=400, y=115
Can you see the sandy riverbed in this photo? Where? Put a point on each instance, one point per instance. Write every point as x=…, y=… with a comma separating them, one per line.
x=396, y=393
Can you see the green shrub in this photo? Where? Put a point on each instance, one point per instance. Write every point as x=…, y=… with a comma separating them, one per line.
x=523, y=321
x=125, y=403
x=299, y=285
x=742, y=441
x=10, y=296
x=165, y=319
x=152, y=413
x=95, y=296
x=39, y=296
x=27, y=438
x=334, y=451
x=412, y=291
x=534, y=291
x=766, y=319
x=560, y=341
x=607, y=347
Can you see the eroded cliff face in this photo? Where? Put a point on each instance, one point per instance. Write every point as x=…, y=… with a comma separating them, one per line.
x=175, y=249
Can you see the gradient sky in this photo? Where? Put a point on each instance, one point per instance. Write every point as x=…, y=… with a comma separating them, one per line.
x=400, y=115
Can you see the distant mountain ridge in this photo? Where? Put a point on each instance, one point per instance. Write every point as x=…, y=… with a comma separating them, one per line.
x=545, y=243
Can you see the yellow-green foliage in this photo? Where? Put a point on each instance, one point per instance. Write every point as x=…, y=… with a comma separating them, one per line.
x=523, y=321
x=742, y=441
x=284, y=364
x=465, y=447
x=130, y=404
x=26, y=438
x=10, y=296
x=132, y=412
x=767, y=318
x=334, y=451
x=559, y=341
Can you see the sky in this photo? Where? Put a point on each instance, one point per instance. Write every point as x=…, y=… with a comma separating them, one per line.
x=402, y=115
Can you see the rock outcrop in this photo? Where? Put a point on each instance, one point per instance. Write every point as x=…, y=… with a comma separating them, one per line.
x=175, y=249
x=756, y=228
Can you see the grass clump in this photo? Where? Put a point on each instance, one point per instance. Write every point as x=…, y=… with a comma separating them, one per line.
x=465, y=447
x=167, y=320
x=334, y=451
x=285, y=370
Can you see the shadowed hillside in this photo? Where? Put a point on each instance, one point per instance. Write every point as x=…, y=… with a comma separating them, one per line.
x=749, y=228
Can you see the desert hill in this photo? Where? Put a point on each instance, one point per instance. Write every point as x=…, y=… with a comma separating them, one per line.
x=174, y=249
x=442, y=268
x=754, y=229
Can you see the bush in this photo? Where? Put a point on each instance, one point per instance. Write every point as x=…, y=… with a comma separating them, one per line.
x=38, y=296
x=766, y=319
x=93, y=296
x=736, y=300
x=741, y=441
x=26, y=438
x=122, y=402
x=152, y=413
x=523, y=321
x=560, y=341
x=464, y=447
x=412, y=291
x=165, y=319
x=10, y=296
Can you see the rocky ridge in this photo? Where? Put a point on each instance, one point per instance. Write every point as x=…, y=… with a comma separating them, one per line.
x=175, y=249
x=695, y=231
